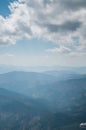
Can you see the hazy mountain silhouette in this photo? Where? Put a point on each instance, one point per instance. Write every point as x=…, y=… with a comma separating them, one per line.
x=42, y=101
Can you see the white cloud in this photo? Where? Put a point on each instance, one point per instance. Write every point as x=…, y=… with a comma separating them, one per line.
x=59, y=21
x=61, y=49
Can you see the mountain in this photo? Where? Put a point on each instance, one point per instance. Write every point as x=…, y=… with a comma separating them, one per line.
x=18, y=111
x=46, y=87
x=67, y=94
x=63, y=74
x=39, y=101
x=24, y=82
x=33, y=83
x=61, y=121
x=8, y=68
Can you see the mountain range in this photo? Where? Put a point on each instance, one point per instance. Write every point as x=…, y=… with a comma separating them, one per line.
x=49, y=100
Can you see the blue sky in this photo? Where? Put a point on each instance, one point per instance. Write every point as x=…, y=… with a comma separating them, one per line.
x=4, y=10
x=33, y=33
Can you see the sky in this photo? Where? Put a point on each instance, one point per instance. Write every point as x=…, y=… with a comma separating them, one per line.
x=43, y=32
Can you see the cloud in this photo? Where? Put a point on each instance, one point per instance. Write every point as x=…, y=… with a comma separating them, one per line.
x=61, y=49
x=74, y=4
x=7, y=55
x=65, y=27
x=59, y=21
